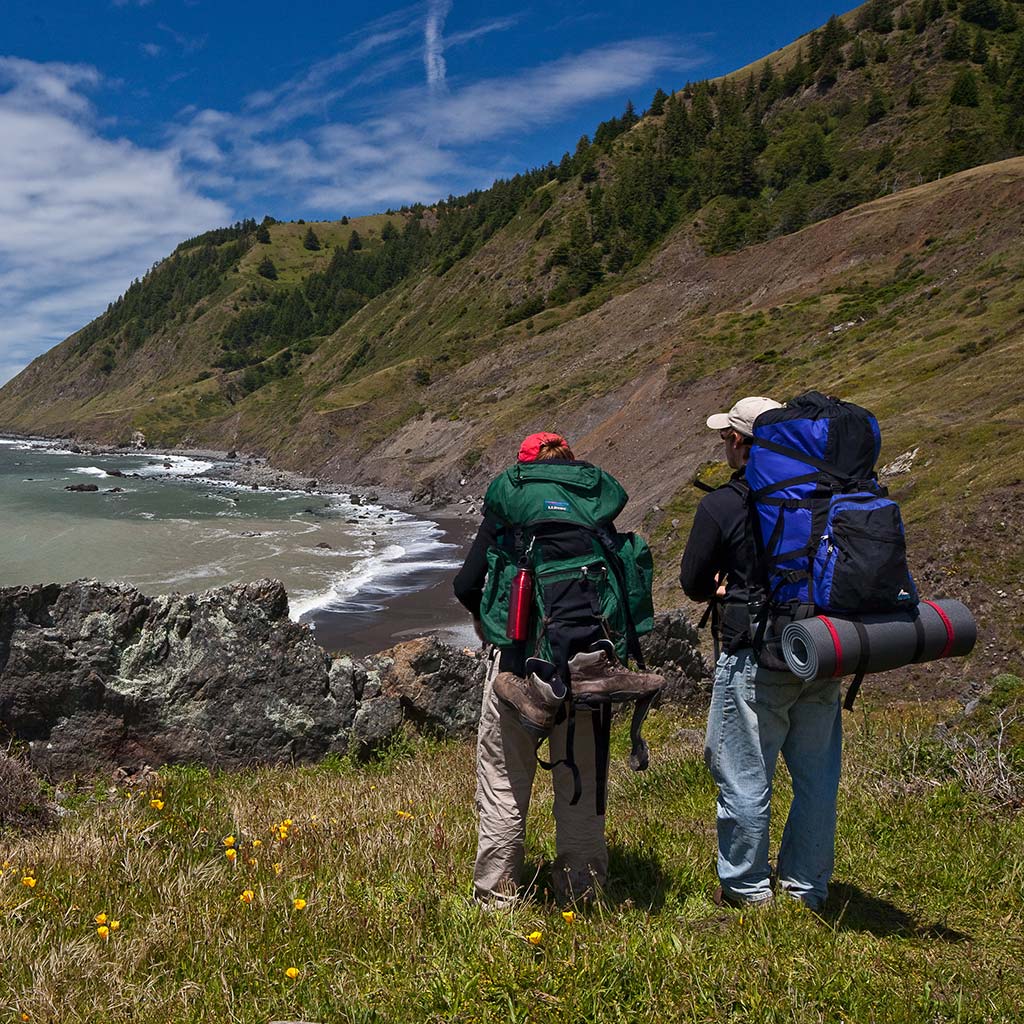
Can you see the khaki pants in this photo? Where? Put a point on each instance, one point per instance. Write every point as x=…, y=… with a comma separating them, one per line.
x=506, y=761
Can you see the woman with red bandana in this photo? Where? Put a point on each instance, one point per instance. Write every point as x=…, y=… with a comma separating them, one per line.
x=507, y=746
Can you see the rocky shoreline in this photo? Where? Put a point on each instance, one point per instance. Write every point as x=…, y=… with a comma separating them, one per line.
x=252, y=470
x=99, y=677
x=423, y=607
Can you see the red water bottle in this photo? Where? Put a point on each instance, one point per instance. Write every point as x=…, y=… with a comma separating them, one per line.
x=520, y=602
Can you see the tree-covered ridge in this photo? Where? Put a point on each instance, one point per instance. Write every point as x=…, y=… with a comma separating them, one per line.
x=172, y=286
x=889, y=96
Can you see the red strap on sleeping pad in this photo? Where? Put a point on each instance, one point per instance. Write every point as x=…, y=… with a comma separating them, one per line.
x=836, y=643
x=949, y=628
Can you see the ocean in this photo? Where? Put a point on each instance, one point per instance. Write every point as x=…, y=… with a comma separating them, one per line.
x=169, y=525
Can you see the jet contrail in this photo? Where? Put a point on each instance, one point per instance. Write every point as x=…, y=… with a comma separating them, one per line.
x=433, y=51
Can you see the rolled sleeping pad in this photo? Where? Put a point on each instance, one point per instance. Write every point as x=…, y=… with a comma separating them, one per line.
x=828, y=646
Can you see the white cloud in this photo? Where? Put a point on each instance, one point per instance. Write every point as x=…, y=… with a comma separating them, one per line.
x=151, y=49
x=433, y=43
x=410, y=144
x=81, y=215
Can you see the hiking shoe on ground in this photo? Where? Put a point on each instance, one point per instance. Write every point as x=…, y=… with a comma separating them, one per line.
x=721, y=898
x=596, y=675
x=536, y=715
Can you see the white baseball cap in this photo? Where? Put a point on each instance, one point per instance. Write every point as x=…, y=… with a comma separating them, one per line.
x=742, y=415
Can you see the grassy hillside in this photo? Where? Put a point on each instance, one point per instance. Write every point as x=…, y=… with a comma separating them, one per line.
x=382, y=858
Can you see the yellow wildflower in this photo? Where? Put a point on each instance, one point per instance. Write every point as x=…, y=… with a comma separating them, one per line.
x=101, y=918
x=257, y=843
x=568, y=916
x=299, y=904
x=114, y=925
x=534, y=938
x=231, y=853
x=287, y=822
x=247, y=896
x=157, y=805
x=29, y=881
x=229, y=840
x=103, y=932
x=292, y=972
x=278, y=868
x=404, y=814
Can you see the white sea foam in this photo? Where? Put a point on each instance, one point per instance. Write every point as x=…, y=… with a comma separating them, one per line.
x=89, y=470
x=387, y=566
x=176, y=465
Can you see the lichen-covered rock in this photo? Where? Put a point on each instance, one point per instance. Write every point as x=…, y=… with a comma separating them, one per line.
x=96, y=675
x=673, y=649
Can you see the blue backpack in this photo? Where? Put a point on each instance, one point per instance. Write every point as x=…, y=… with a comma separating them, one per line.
x=828, y=537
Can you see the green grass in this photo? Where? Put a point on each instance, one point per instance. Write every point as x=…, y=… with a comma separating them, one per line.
x=926, y=922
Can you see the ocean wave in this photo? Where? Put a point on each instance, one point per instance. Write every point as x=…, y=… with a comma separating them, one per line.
x=179, y=465
x=414, y=547
x=89, y=470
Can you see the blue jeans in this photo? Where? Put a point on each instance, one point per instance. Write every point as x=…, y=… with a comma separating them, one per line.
x=755, y=714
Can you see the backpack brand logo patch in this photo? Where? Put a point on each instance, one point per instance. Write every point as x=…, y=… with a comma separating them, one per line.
x=556, y=506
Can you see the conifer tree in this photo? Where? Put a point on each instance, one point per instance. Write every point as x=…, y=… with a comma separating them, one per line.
x=797, y=75
x=677, y=127
x=702, y=115
x=1008, y=18
x=657, y=107
x=355, y=243
x=310, y=241
x=767, y=78
x=858, y=55
x=958, y=45
x=914, y=97
x=965, y=89
x=979, y=52
x=267, y=269
x=876, y=107
x=344, y=220
x=263, y=234
x=882, y=53
x=981, y=12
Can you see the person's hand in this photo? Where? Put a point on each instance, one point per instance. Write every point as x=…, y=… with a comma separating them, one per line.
x=720, y=592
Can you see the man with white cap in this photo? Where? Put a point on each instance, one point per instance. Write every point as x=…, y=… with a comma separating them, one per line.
x=757, y=713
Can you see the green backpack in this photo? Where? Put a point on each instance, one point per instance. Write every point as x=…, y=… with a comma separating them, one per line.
x=607, y=590
x=616, y=577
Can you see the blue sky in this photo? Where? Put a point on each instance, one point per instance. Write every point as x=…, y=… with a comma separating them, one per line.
x=128, y=125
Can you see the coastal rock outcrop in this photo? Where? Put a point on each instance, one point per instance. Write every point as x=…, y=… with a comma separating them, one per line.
x=96, y=676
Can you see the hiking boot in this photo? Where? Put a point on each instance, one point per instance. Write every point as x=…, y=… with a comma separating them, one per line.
x=536, y=714
x=596, y=675
x=548, y=683
x=721, y=898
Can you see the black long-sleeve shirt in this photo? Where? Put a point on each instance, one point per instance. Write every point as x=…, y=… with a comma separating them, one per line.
x=469, y=580
x=720, y=547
